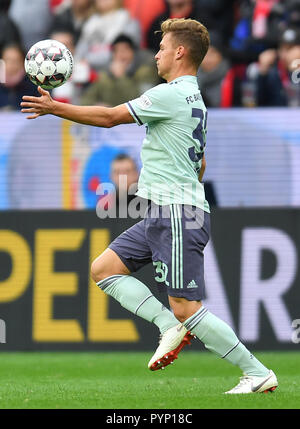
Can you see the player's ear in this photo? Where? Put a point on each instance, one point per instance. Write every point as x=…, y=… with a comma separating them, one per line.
x=180, y=52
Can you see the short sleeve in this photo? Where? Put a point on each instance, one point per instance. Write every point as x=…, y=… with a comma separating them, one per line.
x=154, y=105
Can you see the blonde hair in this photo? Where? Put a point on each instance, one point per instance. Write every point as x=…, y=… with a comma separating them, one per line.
x=189, y=33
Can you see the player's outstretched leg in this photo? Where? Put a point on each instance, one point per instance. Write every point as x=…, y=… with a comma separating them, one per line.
x=136, y=297
x=219, y=338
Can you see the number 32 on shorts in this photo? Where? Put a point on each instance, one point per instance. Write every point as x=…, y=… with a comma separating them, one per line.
x=162, y=271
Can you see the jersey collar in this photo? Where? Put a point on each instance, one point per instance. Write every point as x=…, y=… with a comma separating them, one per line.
x=186, y=78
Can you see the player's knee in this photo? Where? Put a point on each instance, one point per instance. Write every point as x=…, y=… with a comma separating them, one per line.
x=97, y=271
x=106, y=266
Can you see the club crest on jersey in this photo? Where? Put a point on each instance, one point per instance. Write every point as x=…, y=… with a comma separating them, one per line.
x=144, y=102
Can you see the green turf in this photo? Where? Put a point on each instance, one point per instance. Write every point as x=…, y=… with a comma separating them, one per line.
x=122, y=380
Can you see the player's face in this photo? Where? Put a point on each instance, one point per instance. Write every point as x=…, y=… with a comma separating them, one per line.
x=165, y=57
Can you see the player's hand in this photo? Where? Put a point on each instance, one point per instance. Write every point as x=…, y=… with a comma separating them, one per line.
x=38, y=106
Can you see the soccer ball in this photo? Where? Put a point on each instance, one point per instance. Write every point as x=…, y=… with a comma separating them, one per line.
x=49, y=64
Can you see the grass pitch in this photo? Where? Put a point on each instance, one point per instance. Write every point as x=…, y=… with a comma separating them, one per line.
x=118, y=380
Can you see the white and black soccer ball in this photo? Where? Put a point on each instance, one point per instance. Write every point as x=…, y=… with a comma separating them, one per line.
x=49, y=64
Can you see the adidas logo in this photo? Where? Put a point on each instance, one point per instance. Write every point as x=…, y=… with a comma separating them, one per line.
x=192, y=284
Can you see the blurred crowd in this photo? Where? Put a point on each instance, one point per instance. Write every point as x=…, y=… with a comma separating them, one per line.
x=253, y=60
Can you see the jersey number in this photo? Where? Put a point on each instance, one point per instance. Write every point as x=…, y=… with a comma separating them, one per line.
x=162, y=271
x=198, y=134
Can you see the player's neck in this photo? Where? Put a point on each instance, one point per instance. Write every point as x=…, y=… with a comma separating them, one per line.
x=182, y=72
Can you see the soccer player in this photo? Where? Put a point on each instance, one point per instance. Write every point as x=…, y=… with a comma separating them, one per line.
x=176, y=226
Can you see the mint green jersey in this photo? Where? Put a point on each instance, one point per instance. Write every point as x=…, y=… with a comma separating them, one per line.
x=175, y=117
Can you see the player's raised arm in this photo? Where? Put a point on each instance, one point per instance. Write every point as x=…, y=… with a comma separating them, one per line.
x=89, y=115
